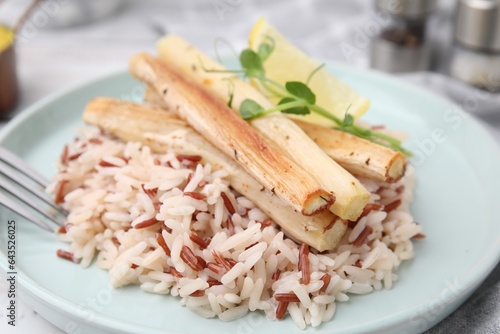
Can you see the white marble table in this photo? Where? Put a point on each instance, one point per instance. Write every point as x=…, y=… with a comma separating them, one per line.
x=53, y=59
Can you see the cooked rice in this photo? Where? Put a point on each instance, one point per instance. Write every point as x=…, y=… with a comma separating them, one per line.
x=174, y=226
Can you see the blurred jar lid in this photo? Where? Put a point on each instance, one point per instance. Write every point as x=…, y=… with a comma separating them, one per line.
x=478, y=24
x=412, y=9
x=75, y=12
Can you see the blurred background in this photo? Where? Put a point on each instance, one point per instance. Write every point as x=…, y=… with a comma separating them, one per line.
x=64, y=42
x=447, y=46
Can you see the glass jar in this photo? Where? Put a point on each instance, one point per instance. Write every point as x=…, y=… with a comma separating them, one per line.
x=475, y=58
x=402, y=45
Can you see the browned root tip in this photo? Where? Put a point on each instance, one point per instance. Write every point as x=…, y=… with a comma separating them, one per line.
x=317, y=202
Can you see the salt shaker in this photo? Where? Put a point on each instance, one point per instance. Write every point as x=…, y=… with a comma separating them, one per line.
x=475, y=57
x=402, y=45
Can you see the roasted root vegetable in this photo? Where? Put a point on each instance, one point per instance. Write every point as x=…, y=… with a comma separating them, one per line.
x=162, y=131
x=224, y=129
x=276, y=128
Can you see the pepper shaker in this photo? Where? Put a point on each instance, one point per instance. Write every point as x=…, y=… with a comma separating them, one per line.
x=402, y=45
x=475, y=57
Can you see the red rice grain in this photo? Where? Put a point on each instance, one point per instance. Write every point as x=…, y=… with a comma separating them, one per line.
x=326, y=278
x=230, y=225
x=213, y=281
x=62, y=230
x=304, y=265
x=266, y=223
x=231, y=262
x=369, y=208
x=276, y=275
x=189, y=258
x=163, y=244
x=201, y=262
x=361, y=239
x=198, y=240
x=59, y=191
x=250, y=246
x=74, y=156
x=150, y=192
x=95, y=141
x=281, y=310
x=221, y=260
x=400, y=189
x=198, y=293
x=195, y=195
x=392, y=206
x=227, y=203
x=190, y=158
x=174, y=272
x=216, y=268
x=146, y=223
x=67, y=256
x=64, y=155
x=287, y=297
x=103, y=163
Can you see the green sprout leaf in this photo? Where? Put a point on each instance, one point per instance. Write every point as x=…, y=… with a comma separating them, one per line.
x=293, y=110
x=295, y=97
x=250, y=109
x=348, y=121
x=264, y=51
x=301, y=90
x=252, y=63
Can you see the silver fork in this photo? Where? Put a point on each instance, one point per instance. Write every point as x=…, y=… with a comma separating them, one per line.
x=24, y=192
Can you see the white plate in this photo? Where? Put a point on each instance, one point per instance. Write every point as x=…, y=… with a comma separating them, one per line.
x=457, y=165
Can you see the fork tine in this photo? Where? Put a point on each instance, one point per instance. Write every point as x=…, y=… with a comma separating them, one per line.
x=15, y=207
x=16, y=177
x=17, y=163
x=11, y=188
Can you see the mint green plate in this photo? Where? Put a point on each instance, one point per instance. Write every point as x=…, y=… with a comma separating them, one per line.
x=457, y=165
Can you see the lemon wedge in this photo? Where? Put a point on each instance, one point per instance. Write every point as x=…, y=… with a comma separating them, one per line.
x=289, y=63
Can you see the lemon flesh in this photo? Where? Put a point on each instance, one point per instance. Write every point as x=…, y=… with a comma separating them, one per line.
x=289, y=63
